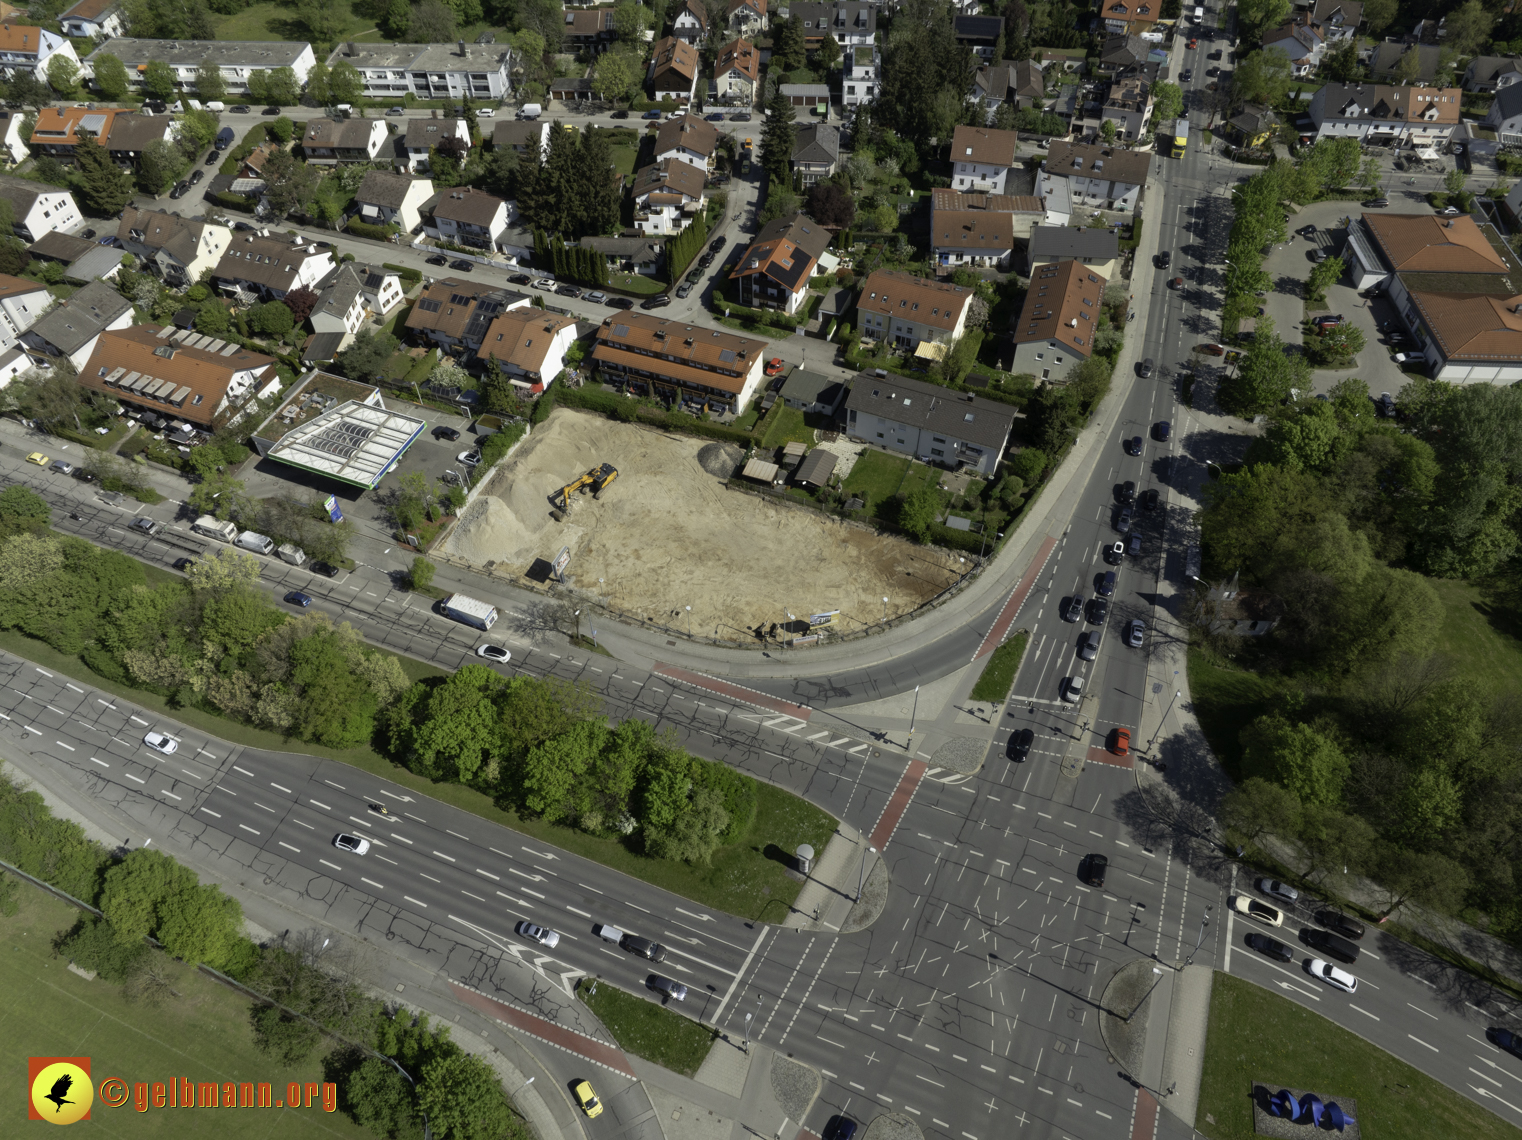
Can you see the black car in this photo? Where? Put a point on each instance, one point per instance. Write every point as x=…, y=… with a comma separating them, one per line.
x=568, y=291
x=270, y=111
x=1149, y=499
x=619, y=115
x=1020, y=742
x=1134, y=445
x=89, y=235
x=1099, y=609
x=705, y=261
x=326, y=569
x=1094, y=868
x=242, y=109
x=1123, y=520
x=1105, y=587
x=841, y=1128
x=1164, y=259
x=462, y=265
x=1161, y=430
x=1186, y=75
x=438, y=259
x=1114, y=553
x=211, y=159
x=1376, y=203
x=620, y=303
x=659, y=302
x=520, y=279
x=1307, y=231
x=1128, y=491
x=180, y=189
x=449, y=433
x=1272, y=947
x=644, y=947
x=1506, y=1039
x=196, y=176
x=742, y=117
x=184, y=563
x=717, y=244
x=1074, y=609
x=1144, y=369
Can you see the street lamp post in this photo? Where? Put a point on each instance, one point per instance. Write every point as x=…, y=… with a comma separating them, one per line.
x=912, y=715
x=885, y=610
x=577, y=615
x=862, y=873
x=1155, y=735
x=1204, y=922
x=689, y=621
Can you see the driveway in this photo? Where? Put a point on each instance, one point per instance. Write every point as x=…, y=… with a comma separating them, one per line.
x=1288, y=267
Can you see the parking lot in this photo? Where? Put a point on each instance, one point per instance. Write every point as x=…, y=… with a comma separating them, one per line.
x=1290, y=264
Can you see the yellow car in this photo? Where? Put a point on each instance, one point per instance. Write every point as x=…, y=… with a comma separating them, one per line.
x=587, y=1098
x=38, y=458
x=1252, y=908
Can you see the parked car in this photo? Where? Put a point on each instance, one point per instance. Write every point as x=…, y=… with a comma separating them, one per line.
x=544, y=283
x=470, y=457
x=520, y=279
x=62, y=466
x=271, y=111
x=1274, y=889
x=619, y=114
x=179, y=190
x=462, y=265
x=448, y=433
x=146, y=526
x=659, y=302
x=596, y=298
x=717, y=244
x=1149, y=499
x=326, y=569
x=241, y=109
x=715, y=117
x=1135, y=633
x=620, y=303
x=695, y=276
x=651, y=115
x=1375, y=203
x=351, y=843
x=1408, y=357
x=196, y=175
x=1319, y=255
x=540, y=934
x=397, y=111
x=1115, y=553
x=438, y=259
x=774, y=366
x=741, y=117
x=684, y=290
x=1186, y=75
x=211, y=159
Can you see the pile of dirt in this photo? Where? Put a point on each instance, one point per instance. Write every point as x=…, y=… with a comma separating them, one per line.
x=720, y=460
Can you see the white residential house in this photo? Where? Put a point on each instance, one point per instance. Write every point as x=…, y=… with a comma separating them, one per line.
x=431, y=71
x=1505, y=115
x=688, y=139
x=11, y=142
x=529, y=346
x=22, y=302
x=350, y=293
x=24, y=48
x=40, y=208
x=177, y=249
x=737, y=73
x=467, y=216
x=859, y=69
x=237, y=60
x=691, y=22
x=387, y=199
x=425, y=134
x=93, y=20
x=745, y=17
x=982, y=158
x=1339, y=19
x=272, y=266
x=1091, y=175
x=1384, y=114
x=667, y=196
x=1301, y=41
x=904, y=310
x=523, y=136
x=328, y=142
x=1488, y=73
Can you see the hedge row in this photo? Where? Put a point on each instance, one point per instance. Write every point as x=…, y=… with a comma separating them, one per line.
x=412, y=275
x=626, y=410
x=366, y=230
x=235, y=202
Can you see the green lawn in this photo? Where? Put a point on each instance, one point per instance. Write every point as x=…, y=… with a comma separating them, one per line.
x=623, y=158
x=1478, y=636
x=788, y=426
x=201, y=1033
x=277, y=22
x=636, y=283
x=643, y=1027
x=1257, y=1035
x=876, y=477
x=999, y=674
x=1225, y=702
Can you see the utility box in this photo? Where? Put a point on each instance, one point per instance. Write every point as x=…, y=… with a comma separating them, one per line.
x=292, y=554
x=805, y=858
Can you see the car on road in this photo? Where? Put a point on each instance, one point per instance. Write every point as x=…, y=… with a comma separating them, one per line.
x=1099, y=609
x=646, y=948
x=742, y=117
x=38, y=458
x=241, y=109
x=840, y=1128
x=1274, y=889
x=462, y=265
x=1134, y=445
x=657, y=302
x=1186, y=75
x=696, y=275
x=1448, y=212
x=1408, y=357
x=449, y=433
x=397, y=111
x=716, y=117
x=705, y=261
x=1144, y=369
x=62, y=466
x=1193, y=44
x=196, y=176
x=493, y=652
x=1149, y=499
x=297, y=598
x=1160, y=430
x=183, y=564
x=1134, y=546
x=1164, y=259
x=1123, y=520
x=1072, y=689
x=1094, y=868
x=684, y=290
x=1252, y=908
x=620, y=114
x=1120, y=741
x=1307, y=231
x=211, y=159
x=1135, y=632
x=520, y=279
x=582, y=1090
x=1505, y=1039
x=1271, y=947
x=1176, y=283
x=354, y=843
x=1088, y=645
x=717, y=244
x=664, y=985
x=1074, y=609
x=159, y=742
x=568, y=291
x=179, y=189
x=1375, y=203
x=147, y=526
x=1331, y=975
x=438, y=259
x=277, y=110
x=326, y=569
x=470, y=457
x=1114, y=553
x=1105, y=587
x=620, y=303
x=651, y=115
x=1128, y=491
x=1019, y=746
x=540, y=934
x=1212, y=72
x=596, y=298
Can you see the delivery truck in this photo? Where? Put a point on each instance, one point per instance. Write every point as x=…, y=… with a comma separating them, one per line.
x=291, y=553
x=480, y=614
x=213, y=527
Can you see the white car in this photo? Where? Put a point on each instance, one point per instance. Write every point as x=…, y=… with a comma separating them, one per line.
x=486, y=113
x=1072, y=690
x=493, y=652
x=1274, y=889
x=351, y=843
x=1332, y=976
x=1252, y=908
x=1408, y=357
x=540, y=934
x=470, y=457
x=161, y=743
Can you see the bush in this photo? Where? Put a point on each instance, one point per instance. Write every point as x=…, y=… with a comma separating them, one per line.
x=499, y=443
x=411, y=275
x=420, y=577
x=235, y=202
x=374, y=233
x=93, y=945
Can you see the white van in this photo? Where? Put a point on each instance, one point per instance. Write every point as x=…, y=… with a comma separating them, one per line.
x=216, y=106
x=249, y=540
x=530, y=111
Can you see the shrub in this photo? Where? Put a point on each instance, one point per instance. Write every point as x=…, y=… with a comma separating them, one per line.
x=374, y=233
x=93, y=945
x=412, y=275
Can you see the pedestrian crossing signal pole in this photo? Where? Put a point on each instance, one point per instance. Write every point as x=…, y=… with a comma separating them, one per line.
x=914, y=713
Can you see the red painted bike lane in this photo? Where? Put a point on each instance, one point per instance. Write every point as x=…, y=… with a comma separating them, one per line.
x=556, y=1035
x=732, y=691
x=897, y=804
x=1007, y=615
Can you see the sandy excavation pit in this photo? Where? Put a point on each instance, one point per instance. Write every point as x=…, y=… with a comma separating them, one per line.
x=666, y=535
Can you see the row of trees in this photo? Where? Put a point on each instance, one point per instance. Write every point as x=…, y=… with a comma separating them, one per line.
x=572, y=262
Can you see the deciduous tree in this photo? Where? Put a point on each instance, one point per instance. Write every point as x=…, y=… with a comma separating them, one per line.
x=1263, y=77
x=110, y=75
x=209, y=82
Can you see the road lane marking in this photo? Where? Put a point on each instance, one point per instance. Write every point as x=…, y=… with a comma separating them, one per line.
x=1419, y=1041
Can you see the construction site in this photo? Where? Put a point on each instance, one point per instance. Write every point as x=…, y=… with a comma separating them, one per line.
x=651, y=531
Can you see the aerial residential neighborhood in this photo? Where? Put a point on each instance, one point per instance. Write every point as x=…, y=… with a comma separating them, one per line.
x=825, y=570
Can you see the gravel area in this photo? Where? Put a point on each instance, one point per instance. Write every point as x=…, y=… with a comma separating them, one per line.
x=961, y=754
x=893, y=1126
x=795, y=1086
x=874, y=897
x=1126, y=1040
x=1266, y=1124
x=846, y=453
x=720, y=459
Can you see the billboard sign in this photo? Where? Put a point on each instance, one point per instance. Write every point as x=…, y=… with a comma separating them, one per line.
x=823, y=619
x=330, y=504
x=562, y=560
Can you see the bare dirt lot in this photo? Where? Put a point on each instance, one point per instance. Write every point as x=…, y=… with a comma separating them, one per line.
x=667, y=535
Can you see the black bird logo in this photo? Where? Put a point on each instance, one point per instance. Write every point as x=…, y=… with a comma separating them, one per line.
x=60, y=1093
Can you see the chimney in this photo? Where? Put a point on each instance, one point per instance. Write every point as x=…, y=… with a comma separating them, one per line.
x=462, y=49
x=351, y=52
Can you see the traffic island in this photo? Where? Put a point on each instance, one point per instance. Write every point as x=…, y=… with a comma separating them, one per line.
x=1125, y=1011
x=893, y=1126
x=874, y=897
x=795, y=1085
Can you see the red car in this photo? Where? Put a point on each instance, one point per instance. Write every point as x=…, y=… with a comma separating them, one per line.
x=1210, y=349
x=1120, y=742
x=1193, y=44
x=774, y=366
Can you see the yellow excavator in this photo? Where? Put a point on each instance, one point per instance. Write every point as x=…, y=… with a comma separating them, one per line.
x=599, y=479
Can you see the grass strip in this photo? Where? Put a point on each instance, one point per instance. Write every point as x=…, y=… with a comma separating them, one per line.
x=999, y=674
x=1256, y=1035
x=646, y=1029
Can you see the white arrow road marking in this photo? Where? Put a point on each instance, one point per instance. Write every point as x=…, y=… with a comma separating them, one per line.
x=540, y=854
x=1492, y=1096
x=566, y=980
x=1298, y=990
x=699, y=917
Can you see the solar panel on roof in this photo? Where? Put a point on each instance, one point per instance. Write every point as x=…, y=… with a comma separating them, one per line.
x=428, y=305
x=620, y=330
x=229, y=350
x=727, y=355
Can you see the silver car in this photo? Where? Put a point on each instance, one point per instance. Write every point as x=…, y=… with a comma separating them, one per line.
x=1135, y=633
x=540, y=934
x=663, y=985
